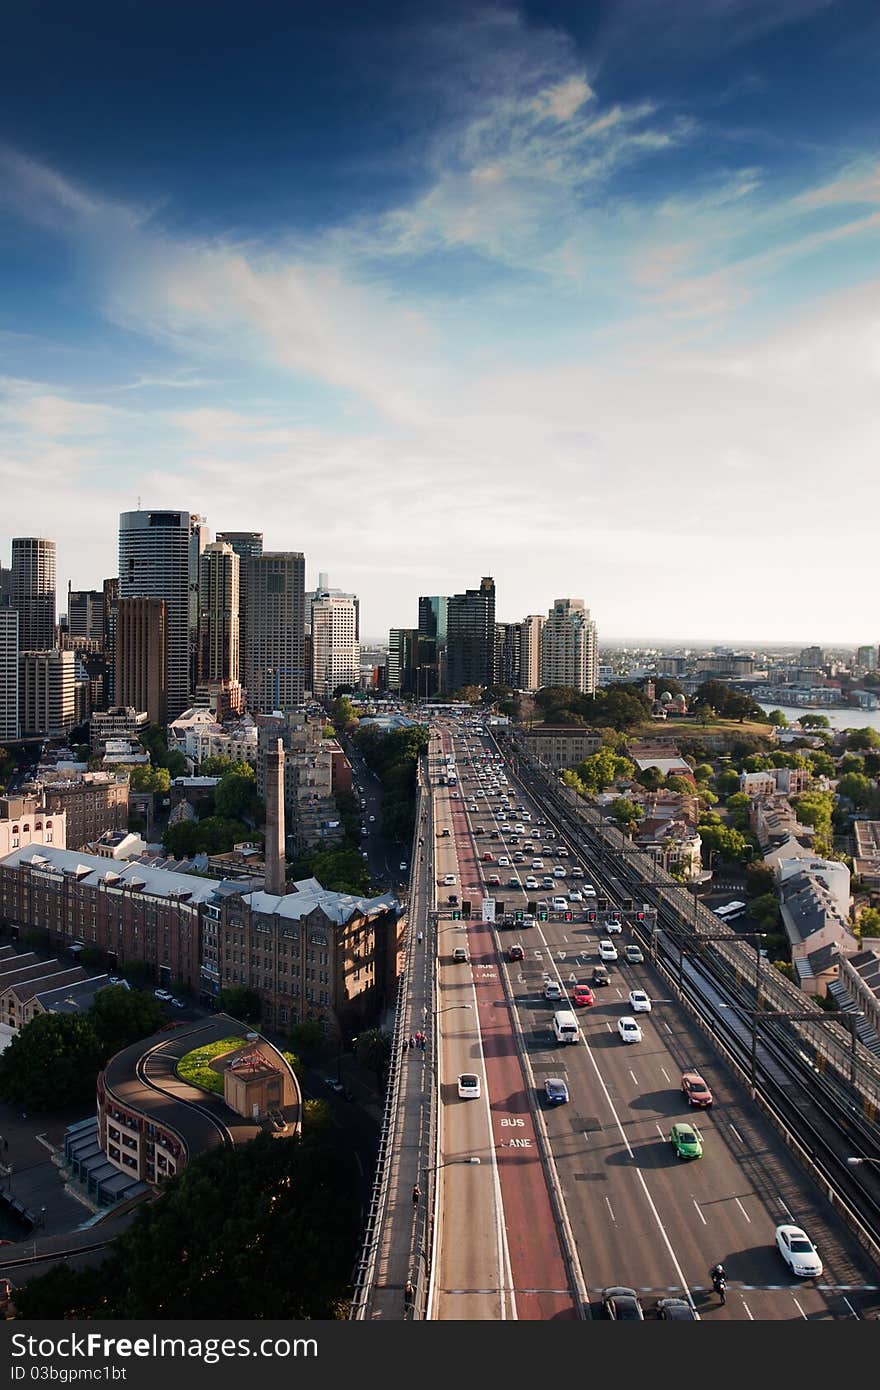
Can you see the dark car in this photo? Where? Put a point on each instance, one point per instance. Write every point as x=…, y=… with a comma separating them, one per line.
x=622, y=1305
x=453, y=900
x=600, y=975
x=676, y=1310
x=515, y=953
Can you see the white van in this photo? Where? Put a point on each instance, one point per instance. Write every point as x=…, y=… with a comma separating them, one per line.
x=565, y=1027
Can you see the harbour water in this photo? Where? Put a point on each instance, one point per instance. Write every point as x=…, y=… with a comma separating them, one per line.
x=838, y=718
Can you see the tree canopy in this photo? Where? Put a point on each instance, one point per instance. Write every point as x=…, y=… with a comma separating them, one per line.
x=603, y=769
x=264, y=1230
x=144, y=778
x=120, y=1016
x=240, y=1002
x=726, y=702
x=51, y=1062
x=862, y=738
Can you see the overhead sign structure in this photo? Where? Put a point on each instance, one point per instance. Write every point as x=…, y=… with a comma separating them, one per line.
x=488, y=909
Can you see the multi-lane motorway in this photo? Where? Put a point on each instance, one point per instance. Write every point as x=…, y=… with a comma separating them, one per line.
x=570, y=1199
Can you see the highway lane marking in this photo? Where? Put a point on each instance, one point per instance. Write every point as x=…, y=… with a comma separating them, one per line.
x=785, y=1209
x=608, y=1026
x=749, y=1312
x=633, y=1075
x=656, y=1126
x=850, y=1307
x=666, y=1026
x=666, y=1074
x=743, y=1210
x=611, y=1211
x=799, y=1308
x=699, y=1213
x=736, y=1132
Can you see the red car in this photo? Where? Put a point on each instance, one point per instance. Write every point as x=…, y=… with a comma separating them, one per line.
x=695, y=1090
x=582, y=994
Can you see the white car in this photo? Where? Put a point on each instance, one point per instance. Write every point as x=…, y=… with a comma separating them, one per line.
x=449, y=878
x=613, y=928
x=607, y=950
x=163, y=994
x=504, y=862
x=798, y=1251
x=552, y=990
x=560, y=904
x=575, y=896
x=588, y=890
x=469, y=1086
x=639, y=1001
x=558, y=871
x=532, y=882
x=403, y=866
x=629, y=1030
x=537, y=863
x=577, y=872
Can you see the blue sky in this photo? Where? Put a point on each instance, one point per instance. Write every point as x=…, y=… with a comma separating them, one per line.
x=584, y=296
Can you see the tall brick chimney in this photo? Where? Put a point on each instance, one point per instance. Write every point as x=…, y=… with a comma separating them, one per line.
x=276, y=868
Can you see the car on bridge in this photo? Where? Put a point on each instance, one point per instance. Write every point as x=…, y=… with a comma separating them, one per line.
x=582, y=994
x=639, y=1001
x=686, y=1140
x=515, y=952
x=629, y=1030
x=459, y=954
x=676, y=1310
x=798, y=1251
x=469, y=1086
x=695, y=1090
x=622, y=1305
x=555, y=1091
x=634, y=955
x=607, y=950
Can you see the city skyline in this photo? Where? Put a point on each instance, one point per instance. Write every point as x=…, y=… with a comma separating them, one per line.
x=584, y=301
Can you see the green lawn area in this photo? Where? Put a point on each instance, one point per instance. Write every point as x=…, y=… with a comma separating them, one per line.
x=196, y=1067
x=694, y=729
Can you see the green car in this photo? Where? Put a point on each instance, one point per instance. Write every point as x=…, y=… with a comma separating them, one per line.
x=686, y=1141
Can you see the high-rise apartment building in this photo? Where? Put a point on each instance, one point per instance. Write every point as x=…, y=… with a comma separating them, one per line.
x=158, y=558
x=569, y=648
x=324, y=590
x=9, y=727
x=866, y=658
x=219, y=568
x=470, y=637
x=141, y=655
x=336, y=657
x=274, y=657
x=111, y=597
x=813, y=657
x=530, y=651
x=508, y=654
x=47, y=692
x=32, y=592
x=85, y=613
x=248, y=545
x=5, y=587
x=400, y=664
x=431, y=667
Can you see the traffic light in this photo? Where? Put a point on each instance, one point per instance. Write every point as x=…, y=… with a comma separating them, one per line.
x=566, y=916
x=542, y=915
x=466, y=907
x=532, y=907
x=518, y=916
x=591, y=916
x=627, y=904
x=456, y=914
x=640, y=916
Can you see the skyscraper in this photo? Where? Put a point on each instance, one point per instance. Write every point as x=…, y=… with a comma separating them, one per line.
x=866, y=657
x=508, y=654
x=32, y=592
x=248, y=545
x=141, y=656
x=433, y=622
x=85, y=613
x=47, y=692
x=274, y=659
x=470, y=637
x=336, y=656
x=569, y=649
x=530, y=651
x=111, y=598
x=158, y=558
x=9, y=729
x=218, y=613
x=400, y=664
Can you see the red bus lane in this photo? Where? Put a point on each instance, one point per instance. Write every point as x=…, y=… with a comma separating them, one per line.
x=538, y=1267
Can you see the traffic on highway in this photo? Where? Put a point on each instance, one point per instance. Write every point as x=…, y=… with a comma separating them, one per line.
x=599, y=1158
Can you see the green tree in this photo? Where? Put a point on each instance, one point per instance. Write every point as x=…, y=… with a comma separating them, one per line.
x=120, y=1016
x=730, y=844
x=815, y=808
x=307, y=1037
x=765, y=910
x=862, y=739
x=778, y=718
x=265, y=1230
x=821, y=764
x=603, y=769
x=759, y=879
x=756, y=762
x=343, y=714
x=241, y=1002
x=625, y=812
x=651, y=778
x=857, y=788
x=52, y=1062
x=373, y=1051
x=143, y=778
x=683, y=785
x=703, y=772
x=814, y=721
x=868, y=922
x=218, y=765
x=727, y=782
x=739, y=801
x=235, y=795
